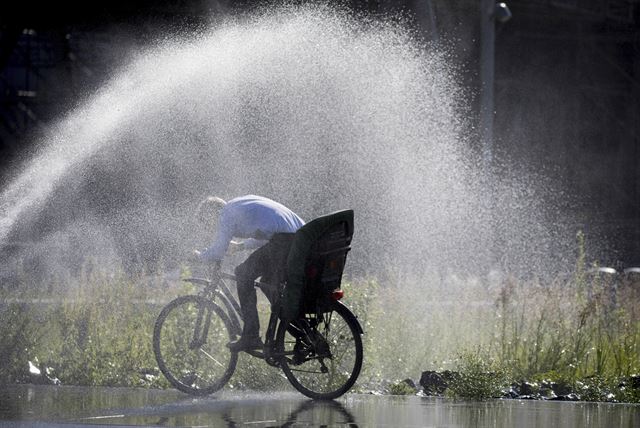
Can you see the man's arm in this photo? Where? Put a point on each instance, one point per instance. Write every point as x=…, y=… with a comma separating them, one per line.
x=245, y=244
x=217, y=250
x=250, y=243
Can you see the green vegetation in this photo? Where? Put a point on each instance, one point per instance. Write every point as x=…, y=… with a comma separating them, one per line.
x=18, y=338
x=94, y=332
x=478, y=378
x=581, y=331
x=574, y=332
x=402, y=388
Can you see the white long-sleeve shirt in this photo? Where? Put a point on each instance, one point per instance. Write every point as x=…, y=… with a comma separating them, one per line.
x=254, y=218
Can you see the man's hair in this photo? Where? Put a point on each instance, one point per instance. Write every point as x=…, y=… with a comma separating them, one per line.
x=209, y=208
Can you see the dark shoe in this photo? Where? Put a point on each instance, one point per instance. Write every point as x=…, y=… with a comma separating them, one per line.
x=245, y=344
x=300, y=351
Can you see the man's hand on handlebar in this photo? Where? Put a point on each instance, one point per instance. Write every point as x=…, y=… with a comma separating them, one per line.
x=196, y=258
x=235, y=246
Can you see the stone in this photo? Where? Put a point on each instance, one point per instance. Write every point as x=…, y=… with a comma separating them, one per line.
x=569, y=397
x=560, y=388
x=433, y=383
x=511, y=393
x=528, y=388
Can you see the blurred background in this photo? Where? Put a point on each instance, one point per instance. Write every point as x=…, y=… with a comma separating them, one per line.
x=553, y=85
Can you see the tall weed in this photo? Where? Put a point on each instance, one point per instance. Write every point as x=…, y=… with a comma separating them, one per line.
x=97, y=330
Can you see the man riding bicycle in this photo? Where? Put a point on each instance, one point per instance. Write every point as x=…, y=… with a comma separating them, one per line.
x=263, y=224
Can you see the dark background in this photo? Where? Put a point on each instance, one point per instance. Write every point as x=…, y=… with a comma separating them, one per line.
x=567, y=85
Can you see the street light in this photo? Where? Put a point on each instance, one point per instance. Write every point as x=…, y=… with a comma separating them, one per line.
x=490, y=12
x=501, y=13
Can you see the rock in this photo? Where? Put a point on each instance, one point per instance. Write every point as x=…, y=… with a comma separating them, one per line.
x=569, y=397
x=547, y=393
x=527, y=388
x=433, y=383
x=560, y=388
x=436, y=383
x=48, y=373
x=545, y=390
x=41, y=375
x=511, y=393
x=149, y=374
x=34, y=370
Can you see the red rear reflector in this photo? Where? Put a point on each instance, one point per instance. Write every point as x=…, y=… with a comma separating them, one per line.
x=337, y=294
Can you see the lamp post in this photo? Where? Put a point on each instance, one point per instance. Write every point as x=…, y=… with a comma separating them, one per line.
x=490, y=12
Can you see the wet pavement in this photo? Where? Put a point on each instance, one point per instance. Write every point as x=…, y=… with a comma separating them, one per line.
x=59, y=406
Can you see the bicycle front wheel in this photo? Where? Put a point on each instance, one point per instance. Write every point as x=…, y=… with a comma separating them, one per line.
x=322, y=356
x=189, y=342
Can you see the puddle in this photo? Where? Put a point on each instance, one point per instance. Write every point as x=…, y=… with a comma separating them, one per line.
x=50, y=406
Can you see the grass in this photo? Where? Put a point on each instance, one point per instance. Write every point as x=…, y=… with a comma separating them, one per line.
x=573, y=330
x=401, y=388
x=570, y=331
x=478, y=378
x=98, y=332
x=564, y=331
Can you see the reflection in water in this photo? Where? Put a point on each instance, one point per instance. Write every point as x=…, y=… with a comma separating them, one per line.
x=59, y=403
x=322, y=414
x=308, y=413
x=267, y=412
x=126, y=406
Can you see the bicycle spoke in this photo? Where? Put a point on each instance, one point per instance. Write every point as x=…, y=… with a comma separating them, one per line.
x=190, y=339
x=327, y=354
x=211, y=358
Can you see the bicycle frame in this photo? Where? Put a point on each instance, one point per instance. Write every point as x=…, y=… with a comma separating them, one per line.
x=218, y=289
x=302, y=348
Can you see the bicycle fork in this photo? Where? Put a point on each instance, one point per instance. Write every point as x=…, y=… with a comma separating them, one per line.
x=200, y=332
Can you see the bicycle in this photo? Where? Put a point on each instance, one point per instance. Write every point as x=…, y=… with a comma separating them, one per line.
x=311, y=336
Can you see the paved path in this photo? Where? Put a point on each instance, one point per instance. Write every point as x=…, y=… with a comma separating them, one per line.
x=50, y=406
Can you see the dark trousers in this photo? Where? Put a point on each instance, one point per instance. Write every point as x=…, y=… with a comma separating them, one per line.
x=269, y=263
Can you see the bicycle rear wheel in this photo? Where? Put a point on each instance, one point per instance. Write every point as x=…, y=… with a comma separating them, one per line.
x=189, y=342
x=322, y=355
